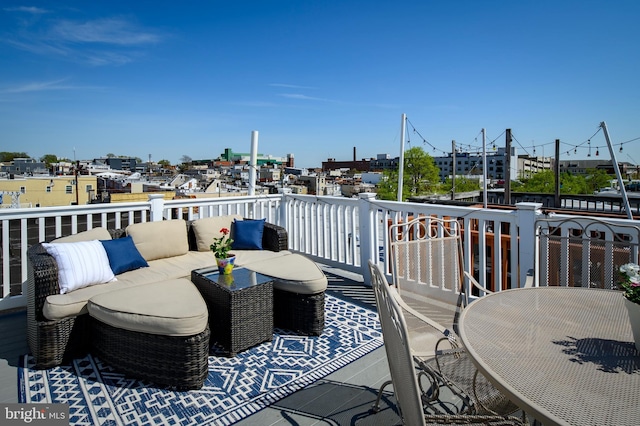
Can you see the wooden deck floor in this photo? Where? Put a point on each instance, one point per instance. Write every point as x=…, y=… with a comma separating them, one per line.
x=343, y=397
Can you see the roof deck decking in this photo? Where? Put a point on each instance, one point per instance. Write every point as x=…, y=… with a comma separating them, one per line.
x=343, y=397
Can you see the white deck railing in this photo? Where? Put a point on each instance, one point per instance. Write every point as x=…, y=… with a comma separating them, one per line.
x=340, y=232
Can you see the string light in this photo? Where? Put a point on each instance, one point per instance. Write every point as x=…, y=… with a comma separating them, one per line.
x=475, y=148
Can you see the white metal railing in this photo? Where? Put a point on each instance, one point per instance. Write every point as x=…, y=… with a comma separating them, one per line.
x=584, y=251
x=340, y=232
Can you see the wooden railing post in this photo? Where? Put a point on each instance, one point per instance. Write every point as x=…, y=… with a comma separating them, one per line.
x=284, y=205
x=157, y=206
x=367, y=225
x=527, y=214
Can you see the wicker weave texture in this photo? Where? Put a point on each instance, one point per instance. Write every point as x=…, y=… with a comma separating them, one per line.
x=238, y=319
x=302, y=313
x=51, y=342
x=274, y=237
x=179, y=361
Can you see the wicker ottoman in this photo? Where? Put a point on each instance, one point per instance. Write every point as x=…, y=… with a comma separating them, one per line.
x=157, y=332
x=298, y=293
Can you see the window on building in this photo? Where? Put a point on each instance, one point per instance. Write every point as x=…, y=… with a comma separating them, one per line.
x=88, y=188
x=48, y=189
x=68, y=189
x=23, y=190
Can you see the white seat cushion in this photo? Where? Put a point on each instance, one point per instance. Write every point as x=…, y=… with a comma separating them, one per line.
x=294, y=273
x=168, y=308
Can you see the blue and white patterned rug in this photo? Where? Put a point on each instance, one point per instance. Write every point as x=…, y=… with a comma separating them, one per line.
x=235, y=388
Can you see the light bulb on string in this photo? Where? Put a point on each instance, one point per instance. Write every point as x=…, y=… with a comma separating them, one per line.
x=597, y=152
x=620, y=147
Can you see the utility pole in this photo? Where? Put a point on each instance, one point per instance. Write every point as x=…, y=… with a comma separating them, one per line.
x=556, y=172
x=453, y=170
x=507, y=166
x=75, y=172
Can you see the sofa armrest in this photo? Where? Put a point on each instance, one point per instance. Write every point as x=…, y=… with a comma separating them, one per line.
x=42, y=279
x=274, y=237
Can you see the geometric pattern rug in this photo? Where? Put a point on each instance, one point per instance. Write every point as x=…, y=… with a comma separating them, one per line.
x=234, y=389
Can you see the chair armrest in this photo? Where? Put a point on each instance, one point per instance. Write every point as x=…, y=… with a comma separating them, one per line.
x=42, y=279
x=274, y=237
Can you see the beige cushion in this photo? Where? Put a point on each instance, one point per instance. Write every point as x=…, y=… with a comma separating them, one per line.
x=208, y=228
x=294, y=273
x=60, y=306
x=247, y=257
x=157, y=240
x=91, y=234
x=167, y=308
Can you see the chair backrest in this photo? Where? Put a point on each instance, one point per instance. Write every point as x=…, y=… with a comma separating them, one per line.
x=426, y=258
x=396, y=344
x=583, y=252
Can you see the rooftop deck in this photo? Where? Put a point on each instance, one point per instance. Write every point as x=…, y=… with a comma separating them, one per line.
x=343, y=397
x=341, y=235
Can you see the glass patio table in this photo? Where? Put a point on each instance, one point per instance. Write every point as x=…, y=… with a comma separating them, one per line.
x=565, y=355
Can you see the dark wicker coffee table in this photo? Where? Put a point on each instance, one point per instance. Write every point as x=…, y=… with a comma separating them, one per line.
x=240, y=307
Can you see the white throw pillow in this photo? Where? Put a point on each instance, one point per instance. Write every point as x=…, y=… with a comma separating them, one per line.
x=80, y=264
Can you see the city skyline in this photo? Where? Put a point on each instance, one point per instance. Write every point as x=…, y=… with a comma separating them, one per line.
x=315, y=80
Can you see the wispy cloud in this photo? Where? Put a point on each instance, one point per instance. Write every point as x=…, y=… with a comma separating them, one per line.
x=291, y=86
x=104, y=41
x=107, y=31
x=41, y=86
x=257, y=104
x=303, y=97
x=26, y=9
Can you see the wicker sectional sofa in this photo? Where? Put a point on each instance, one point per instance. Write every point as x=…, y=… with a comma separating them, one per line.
x=62, y=326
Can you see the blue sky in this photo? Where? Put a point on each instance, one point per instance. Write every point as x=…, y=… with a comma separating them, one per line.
x=317, y=78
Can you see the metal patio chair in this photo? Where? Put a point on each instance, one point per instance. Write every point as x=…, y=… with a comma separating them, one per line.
x=407, y=370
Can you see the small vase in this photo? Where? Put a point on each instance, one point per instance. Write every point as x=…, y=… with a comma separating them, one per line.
x=634, y=319
x=225, y=266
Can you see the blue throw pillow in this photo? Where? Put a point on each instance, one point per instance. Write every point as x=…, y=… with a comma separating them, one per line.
x=247, y=234
x=123, y=255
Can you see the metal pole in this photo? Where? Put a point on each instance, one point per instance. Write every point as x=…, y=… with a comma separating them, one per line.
x=507, y=168
x=401, y=165
x=484, y=168
x=614, y=163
